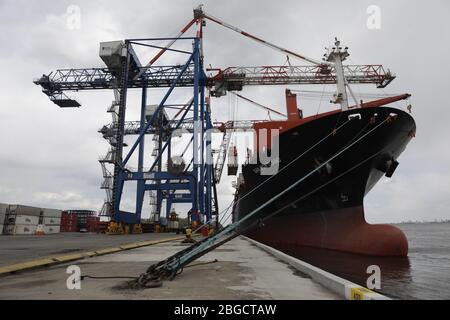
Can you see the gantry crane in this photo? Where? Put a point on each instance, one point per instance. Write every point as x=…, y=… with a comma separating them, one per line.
x=195, y=183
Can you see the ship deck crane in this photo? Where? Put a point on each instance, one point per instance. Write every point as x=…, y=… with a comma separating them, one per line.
x=125, y=72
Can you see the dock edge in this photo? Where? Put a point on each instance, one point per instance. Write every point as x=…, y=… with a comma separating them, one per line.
x=340, y=286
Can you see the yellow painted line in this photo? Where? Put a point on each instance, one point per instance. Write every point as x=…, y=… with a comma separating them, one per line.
x=107, y=251
x=147, y=243
x=128, y=246
x=142, y=244
x=89, y=254
x=26, y=265
x=69, y=257
x=54, y=260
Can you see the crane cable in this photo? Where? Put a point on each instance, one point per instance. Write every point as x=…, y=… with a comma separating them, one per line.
x=265, y=204
x=168, y=268
x=163, y=50
x=158, y=283
x=172, y=258
x=258, y=104
x=334, y=131
x=264, y=42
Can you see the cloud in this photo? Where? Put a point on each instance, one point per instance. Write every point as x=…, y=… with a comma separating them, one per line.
x=410, y=197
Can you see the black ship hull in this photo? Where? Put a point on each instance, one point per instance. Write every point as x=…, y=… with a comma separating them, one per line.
x=326, y=209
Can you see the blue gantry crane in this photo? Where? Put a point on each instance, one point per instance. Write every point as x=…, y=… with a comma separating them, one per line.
x=177, y=184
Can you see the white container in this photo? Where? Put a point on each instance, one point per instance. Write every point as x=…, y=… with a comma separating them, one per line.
x=51, y=229
x=22, y=220
x=52, y=221
x=19, y=229
x=2, y=218
x=52, y=212
x=1, y=228
x=3, y=208
x=24, y=210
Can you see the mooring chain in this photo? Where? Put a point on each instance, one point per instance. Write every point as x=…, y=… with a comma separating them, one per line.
x=147, y=280
x=157, y=272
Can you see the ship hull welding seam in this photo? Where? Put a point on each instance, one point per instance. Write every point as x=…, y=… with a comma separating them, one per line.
x=326, y=210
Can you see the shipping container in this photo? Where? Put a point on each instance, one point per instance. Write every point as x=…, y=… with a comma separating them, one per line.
x=51, y=212
x=1, y=229
x=72, y=228
x=24, y=210
x=2, y=217
x=18, y=229
x=51, y=229
x=74, y=225
x=92, y=224
x=64, y=217
x=68, y=219
x=22, y=220
x=68, y=222
x=80, y=212
x=52, y=221
x=78, y=220
x=66, y=214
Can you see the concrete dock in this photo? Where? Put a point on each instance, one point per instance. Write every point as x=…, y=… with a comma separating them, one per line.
x=243, y=271
x=14, y=249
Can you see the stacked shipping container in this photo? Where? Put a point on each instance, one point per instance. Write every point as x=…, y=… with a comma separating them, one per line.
x=92, y=224
x=22, y=220
x=25, y=220
x=3, y=209
x=68, y=222
x=51, y=220
x=79, y=220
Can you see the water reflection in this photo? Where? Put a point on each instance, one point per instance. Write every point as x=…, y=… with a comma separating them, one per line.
x=396, y=279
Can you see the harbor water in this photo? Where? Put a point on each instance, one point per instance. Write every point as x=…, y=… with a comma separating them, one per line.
x=424, y=274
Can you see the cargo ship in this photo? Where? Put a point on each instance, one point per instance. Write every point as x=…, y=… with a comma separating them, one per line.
x=338, y=156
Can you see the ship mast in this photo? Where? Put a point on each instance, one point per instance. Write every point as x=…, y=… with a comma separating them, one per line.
x=336, y=56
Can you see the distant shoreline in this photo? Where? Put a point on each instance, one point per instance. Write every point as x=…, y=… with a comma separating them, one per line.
x=422, y=222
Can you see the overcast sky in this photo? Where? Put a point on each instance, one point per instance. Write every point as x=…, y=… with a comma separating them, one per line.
x=49, y=156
